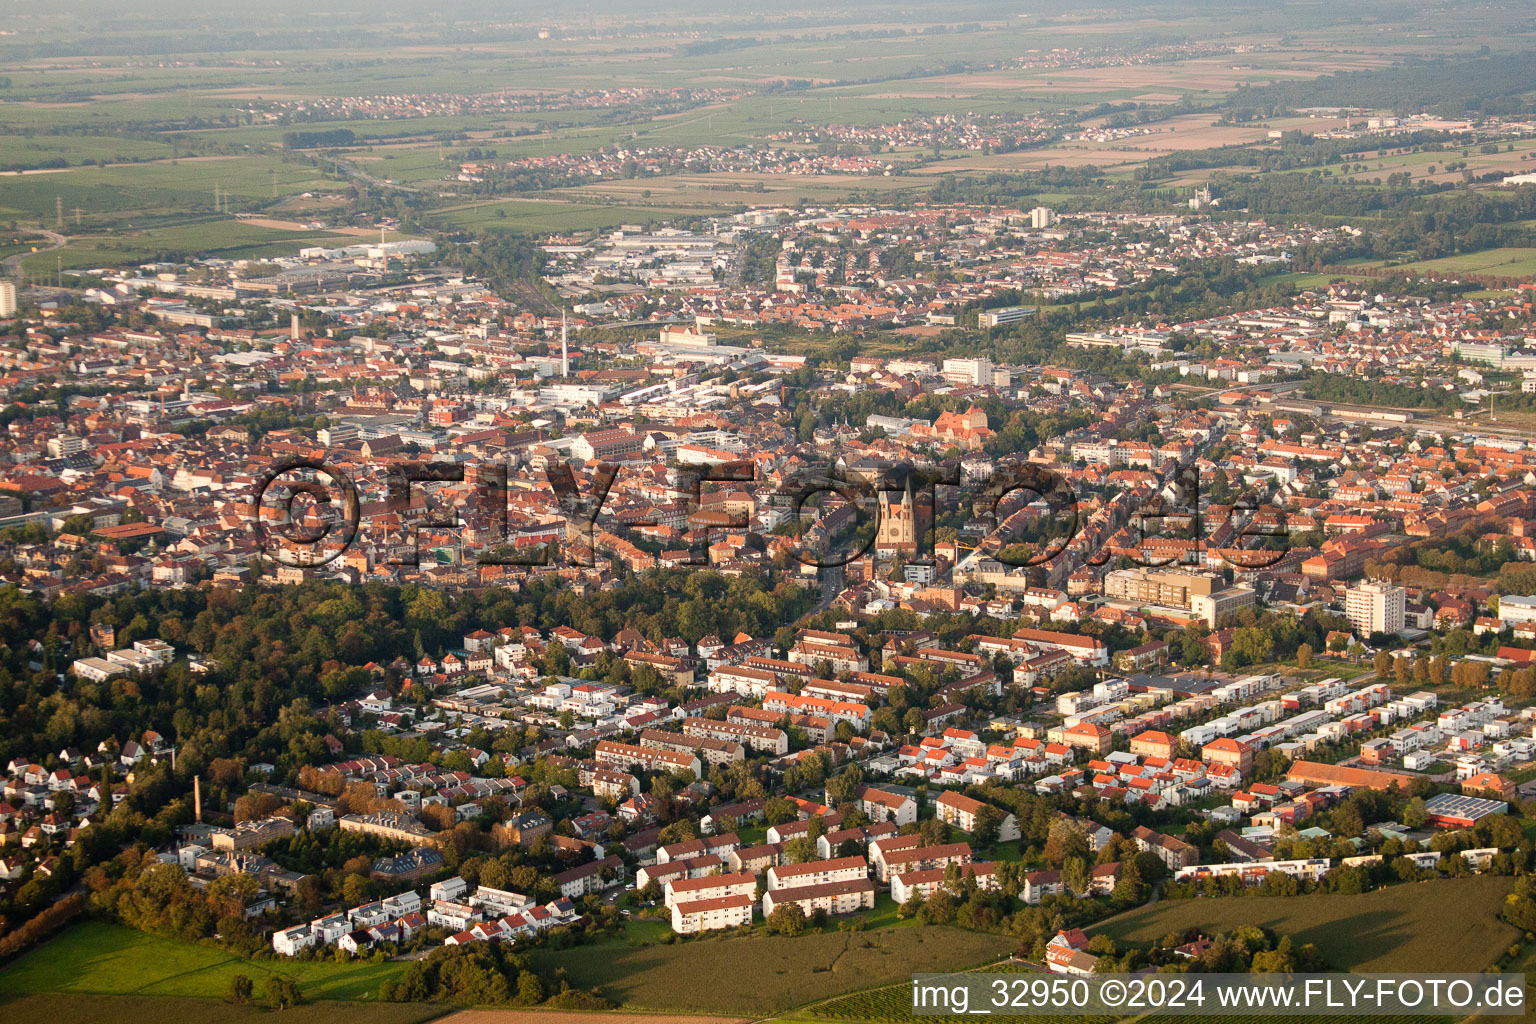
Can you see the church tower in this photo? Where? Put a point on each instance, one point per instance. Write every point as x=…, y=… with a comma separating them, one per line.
x=897, y=532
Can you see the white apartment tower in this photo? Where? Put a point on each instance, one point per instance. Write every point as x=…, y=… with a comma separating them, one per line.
x=1375, y=607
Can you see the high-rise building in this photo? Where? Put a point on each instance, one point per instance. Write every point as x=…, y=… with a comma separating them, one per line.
x=7, y=298
x=1375, y=607
x=64, y=445
x=1041, y=217
x=975, y=372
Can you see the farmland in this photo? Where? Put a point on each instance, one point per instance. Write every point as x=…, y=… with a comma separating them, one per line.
x=534, y=215
x=1508, y=262
x=893, y=1005
x=138, y=146
x=103, y=959
x=760, y=975
x=1446, y=925
x=488, y=1016
x=219, y=238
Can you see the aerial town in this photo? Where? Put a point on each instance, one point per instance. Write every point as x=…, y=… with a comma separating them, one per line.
x=1043, y=567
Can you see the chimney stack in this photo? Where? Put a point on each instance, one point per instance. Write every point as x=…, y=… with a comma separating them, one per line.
x=293, y=326
x=197, y=797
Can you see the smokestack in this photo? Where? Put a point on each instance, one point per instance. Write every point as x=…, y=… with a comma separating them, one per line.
x=293, y=326
x=197, y=797
x=565, y=359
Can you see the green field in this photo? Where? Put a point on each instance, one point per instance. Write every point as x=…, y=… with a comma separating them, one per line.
x=1445, y=925
x=893, y=1005
x=105, y=959
x=162, y=186
x=219, y=239
x=535, y=216
x=62, y=1008
x=1507, y=262
x=760, y=975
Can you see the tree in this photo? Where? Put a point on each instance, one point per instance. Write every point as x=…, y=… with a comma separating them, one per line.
x=680, y=831
x=989, y=822
x=777, y=810
x=1064, y=841
x=1252, y=644
x=800, y=850
x=240, y=989
x=1129, y=889
x=1075, y=875
x=787, y=919
x=530, y=991
x=1304, y=656
x=354, y=890
x=557, y=660
x=1278, y=883
x=842, y=787
x=282, y=992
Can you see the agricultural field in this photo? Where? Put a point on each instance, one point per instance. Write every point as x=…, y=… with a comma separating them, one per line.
x=185, y=127
x=225, y=238
x=761, y=975
x=1509, y=262
x=727, y=190
x=163, y=187
x=489, y=1016
x=892, y=1004
x=96, y=958
x=1445, y=925
x=544, y=216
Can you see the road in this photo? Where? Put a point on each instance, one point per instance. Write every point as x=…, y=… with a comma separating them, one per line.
x=357, y=172
x=831, y=586
x=12, y=264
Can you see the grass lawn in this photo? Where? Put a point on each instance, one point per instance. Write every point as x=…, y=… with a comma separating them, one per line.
x=107, y=959
x=760, y=975
x=57, y=1007
x=1445, y=925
